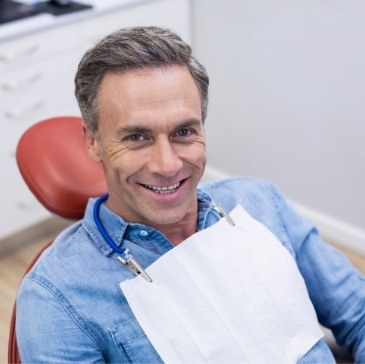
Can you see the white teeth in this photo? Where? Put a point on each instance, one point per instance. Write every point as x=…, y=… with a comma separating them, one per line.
x=164, y=189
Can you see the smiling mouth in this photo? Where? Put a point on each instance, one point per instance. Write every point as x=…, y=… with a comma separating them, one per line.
x=163, y=190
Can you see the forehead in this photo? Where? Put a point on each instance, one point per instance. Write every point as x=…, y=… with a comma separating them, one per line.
x=145, y=93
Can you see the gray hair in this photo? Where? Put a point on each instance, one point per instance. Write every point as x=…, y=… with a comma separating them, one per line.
x=130, y=49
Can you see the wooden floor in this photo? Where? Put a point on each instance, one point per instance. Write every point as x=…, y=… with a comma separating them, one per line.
x=13, y=264
x=15, y=255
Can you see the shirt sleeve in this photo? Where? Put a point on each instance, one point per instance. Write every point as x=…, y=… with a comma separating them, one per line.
x=336, y=288
x=56, y=337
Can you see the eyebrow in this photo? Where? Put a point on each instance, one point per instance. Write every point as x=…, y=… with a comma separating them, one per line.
x=142, y=129
x=131, y=129
x=189, y=122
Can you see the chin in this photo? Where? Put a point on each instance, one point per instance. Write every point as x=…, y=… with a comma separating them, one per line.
x=165, y=220
x=162, y=218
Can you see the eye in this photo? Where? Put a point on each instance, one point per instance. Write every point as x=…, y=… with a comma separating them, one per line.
x=184, y=132
x=137, y=140
x=135, y=137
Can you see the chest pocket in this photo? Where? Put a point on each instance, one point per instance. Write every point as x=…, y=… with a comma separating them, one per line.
x=133, y=343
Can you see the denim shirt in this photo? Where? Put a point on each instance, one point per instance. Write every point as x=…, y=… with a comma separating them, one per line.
x=70, y=307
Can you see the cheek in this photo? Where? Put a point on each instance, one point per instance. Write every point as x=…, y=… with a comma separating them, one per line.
x=126, y=163
x=195, y=154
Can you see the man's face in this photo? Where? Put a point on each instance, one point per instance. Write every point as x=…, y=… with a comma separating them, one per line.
x=151, y=144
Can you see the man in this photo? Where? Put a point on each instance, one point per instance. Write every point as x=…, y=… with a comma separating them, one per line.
x=143, y=98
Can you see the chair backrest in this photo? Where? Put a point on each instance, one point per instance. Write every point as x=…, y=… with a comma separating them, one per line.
x=54, y=163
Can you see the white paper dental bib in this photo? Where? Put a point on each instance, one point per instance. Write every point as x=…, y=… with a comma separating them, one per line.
x=226, y=295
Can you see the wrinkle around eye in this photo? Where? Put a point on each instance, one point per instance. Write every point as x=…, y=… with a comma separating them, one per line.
x=115, y=150
x=137, y=144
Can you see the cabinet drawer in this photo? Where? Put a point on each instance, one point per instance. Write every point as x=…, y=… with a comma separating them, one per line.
x=18, y=52
x=28, y=94
x=37, y=110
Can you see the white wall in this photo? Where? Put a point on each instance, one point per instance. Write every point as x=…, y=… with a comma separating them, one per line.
x=287, y=100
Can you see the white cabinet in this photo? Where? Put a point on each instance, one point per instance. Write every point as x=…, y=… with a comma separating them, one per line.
x=36, y=82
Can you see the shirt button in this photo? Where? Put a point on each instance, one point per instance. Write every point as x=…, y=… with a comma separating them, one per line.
x=144, y=232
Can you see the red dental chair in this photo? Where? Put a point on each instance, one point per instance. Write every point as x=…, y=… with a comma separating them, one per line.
x=54, y=162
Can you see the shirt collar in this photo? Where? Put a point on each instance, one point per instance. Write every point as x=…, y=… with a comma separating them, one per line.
x=119, y=228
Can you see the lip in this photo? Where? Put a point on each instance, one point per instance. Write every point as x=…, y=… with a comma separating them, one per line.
x=163, y=194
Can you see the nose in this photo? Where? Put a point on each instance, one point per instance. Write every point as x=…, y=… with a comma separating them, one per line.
x=163, y=159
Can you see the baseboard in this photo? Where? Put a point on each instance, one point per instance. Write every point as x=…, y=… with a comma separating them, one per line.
x=334, y=230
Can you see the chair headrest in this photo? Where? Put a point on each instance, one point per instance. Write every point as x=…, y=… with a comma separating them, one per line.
x=55, y=164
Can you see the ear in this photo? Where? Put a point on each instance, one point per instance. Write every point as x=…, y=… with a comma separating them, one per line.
x=92, y=144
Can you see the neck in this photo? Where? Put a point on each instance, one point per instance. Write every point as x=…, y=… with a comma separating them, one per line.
x=179, y=232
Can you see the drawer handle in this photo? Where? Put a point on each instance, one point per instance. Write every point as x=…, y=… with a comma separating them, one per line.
x=17, y=113
x=11, y=56
x=15, y=85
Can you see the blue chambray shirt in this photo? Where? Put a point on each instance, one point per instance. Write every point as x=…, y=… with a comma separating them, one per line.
x=70, y=307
